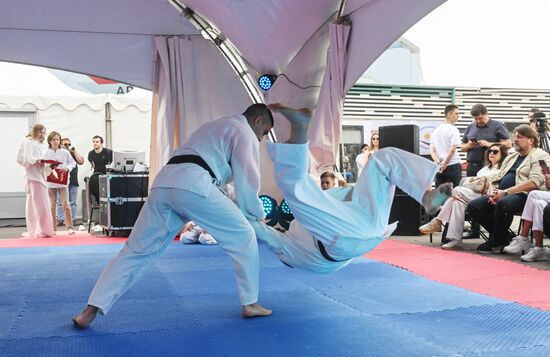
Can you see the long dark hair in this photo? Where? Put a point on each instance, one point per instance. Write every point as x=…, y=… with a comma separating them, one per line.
x=503, y=153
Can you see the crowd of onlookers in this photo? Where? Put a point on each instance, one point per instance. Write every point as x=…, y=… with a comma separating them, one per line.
x=52, y=178
x=505, y=177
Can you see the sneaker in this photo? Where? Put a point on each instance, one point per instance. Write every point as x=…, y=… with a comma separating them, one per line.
x=485, y=248
x=435, y=225
x=71, y=231
x=207, y=239
x=453, y=244
x=60, y=223
x=190, y=237
x=518, y=245
x=535, y=254
x=472, y=234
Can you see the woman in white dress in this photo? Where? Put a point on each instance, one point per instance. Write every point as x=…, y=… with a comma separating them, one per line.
x=67, y=163
x=30, y=156
x=453, y=211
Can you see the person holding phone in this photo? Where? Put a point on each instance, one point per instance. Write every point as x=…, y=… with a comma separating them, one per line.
x=533, y=219
x=481, y=134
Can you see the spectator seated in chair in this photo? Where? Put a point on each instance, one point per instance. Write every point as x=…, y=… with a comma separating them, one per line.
x=453, y=210
x=519, y=174
x=533, y=219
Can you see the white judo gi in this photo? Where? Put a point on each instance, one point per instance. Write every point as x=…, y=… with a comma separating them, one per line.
x=184, y=192
x=37, y=207
x=348, y=221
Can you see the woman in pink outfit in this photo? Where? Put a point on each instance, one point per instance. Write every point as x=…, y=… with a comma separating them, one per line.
x=37, y=209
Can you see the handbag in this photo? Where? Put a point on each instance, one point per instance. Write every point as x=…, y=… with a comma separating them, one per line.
x=476, y=184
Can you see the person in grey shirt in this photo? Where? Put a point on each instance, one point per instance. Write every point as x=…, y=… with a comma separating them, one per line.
x=480, y=135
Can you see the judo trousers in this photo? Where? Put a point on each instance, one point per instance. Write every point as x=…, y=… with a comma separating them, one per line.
x=161, y=218
x=349, y=222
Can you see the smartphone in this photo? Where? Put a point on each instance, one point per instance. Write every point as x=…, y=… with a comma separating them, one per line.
x=474, y=140
x=543, y=166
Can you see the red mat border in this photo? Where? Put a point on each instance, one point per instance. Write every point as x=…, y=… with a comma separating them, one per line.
x=482, y=274
x=60, y=240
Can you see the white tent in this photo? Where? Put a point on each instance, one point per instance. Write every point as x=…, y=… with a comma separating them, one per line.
x=30, y=94
x=128, y=41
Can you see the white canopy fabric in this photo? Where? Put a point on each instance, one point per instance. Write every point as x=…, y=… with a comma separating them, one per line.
x=115, y=39
x=327, y=118
x=23, y=86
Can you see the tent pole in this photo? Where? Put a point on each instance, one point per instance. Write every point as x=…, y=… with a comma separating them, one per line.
x=108, y=127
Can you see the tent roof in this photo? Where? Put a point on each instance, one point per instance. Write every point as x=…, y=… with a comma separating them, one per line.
x=114, y=39
x=24, y=85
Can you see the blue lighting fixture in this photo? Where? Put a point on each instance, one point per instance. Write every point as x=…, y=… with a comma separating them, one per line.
x=265, y=81
x=270, y=209
x=285, y=215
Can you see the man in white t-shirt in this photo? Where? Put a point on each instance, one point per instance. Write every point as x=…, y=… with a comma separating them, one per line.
x=443, y=143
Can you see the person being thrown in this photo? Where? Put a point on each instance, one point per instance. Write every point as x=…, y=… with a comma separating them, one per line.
x=334, y=226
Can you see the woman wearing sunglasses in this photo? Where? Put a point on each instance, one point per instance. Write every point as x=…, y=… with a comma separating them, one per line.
x=453, y=210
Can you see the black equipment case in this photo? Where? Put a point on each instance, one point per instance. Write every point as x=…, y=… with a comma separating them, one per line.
x=121, y=197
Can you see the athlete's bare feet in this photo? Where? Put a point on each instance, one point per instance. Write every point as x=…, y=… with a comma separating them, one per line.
x=86, y=317
x=433, y=199
x=255, y=310
x=299, y=122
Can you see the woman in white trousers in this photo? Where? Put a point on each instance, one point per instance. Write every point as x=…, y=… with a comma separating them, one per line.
x=453, y=211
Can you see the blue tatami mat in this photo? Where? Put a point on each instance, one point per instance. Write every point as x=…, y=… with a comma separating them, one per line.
x=187, y=305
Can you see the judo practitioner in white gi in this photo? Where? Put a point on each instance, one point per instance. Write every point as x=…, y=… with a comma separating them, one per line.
x=187, y=188
x=334, y=226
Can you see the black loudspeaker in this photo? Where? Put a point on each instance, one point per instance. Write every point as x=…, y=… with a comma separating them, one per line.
x=409, y=213
x=404, y=137
x=404, y=209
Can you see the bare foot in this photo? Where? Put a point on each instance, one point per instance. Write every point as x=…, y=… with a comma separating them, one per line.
x=433, y=199
x=255, y=310
x=86, y=317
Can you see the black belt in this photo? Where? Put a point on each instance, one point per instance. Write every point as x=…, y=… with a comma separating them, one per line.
x=475, y=162
x=324, y=253
x=192, y=159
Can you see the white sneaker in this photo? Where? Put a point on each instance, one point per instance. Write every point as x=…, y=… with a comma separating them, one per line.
x=535, y=254
x=207, y=239
x=452, y=244
x=518, y=245
x=191, y=236
x=71, y=231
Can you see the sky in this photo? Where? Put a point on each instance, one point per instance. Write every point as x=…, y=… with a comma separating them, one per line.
x=485, y=43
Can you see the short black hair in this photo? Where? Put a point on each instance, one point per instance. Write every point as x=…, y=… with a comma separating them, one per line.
x=98, y=137
x=261, y=110
x=449, y=108
x=364, y=146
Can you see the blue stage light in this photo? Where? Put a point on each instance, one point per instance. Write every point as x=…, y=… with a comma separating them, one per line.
x=270, y=209
x=285, y=215
x=265, y=81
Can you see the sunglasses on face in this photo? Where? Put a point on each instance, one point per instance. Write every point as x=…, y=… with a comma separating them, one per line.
x=494, y=152
x=374, y=139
